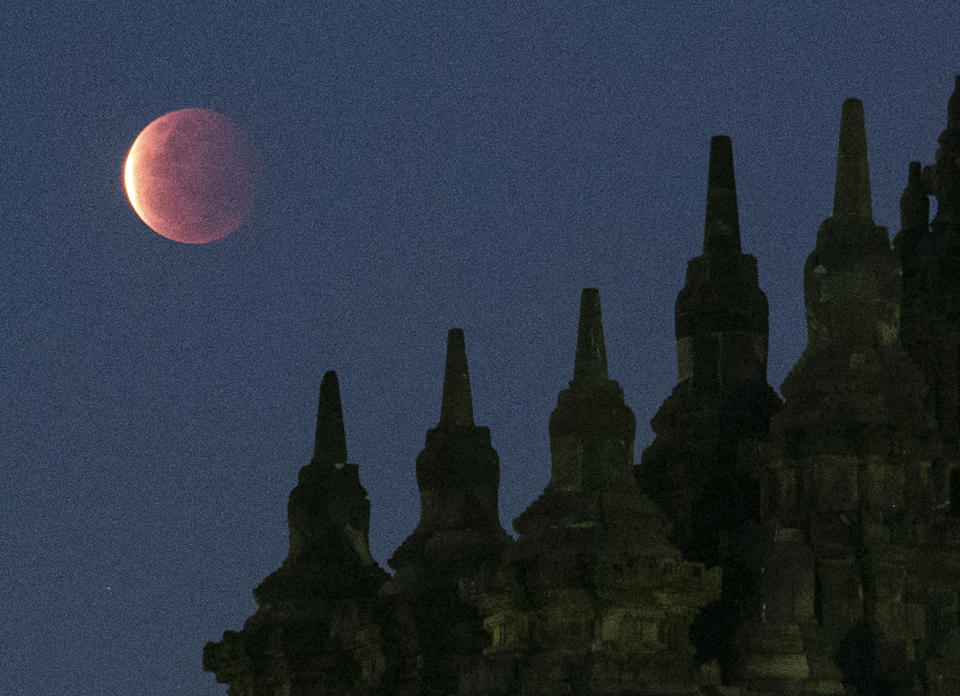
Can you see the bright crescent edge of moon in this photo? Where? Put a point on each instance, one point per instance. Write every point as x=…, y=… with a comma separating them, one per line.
x=129, y=182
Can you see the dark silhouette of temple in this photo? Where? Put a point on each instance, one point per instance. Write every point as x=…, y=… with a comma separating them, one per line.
x=809, y=545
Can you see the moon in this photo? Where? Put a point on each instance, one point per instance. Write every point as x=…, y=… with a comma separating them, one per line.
x=189, y=176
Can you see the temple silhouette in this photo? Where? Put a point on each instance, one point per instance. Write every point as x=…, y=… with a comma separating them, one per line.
x=760, y=546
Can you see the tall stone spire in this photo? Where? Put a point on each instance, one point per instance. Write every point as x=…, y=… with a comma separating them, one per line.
x=591, y=429
x=591, y=437
x=322, y=600
x=456, y=409
x=696, y=470
x=851, y=198
x=590, y=363
x=722, y=225
x=854, y=254
x=458, y=474
x=459, y=533
x=721, y=313
x=330, y=441
x=329, y=502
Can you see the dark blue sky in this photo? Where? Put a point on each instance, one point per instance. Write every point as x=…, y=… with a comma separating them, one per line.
x=422, y=169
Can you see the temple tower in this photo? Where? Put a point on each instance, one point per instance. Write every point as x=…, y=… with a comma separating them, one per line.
x=694, y=468
x=458, y=474
x=851, y=280
x=722, y=399
x=592, y=598
x=591, y=430
x=591, y=436
x=851, y=456
x=459, y=535
x=314, y=633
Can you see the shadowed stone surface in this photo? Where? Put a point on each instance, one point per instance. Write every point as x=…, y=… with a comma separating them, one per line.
x=722, y=398
x=931, y=268
x=930, y=253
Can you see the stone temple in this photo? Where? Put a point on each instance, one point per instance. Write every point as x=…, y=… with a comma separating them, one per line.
x=759, y=546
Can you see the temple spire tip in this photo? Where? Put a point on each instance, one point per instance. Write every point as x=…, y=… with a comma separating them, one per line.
x=330, y=443
x=851, y=198
x=457, y=405
x=590, y=363
x=722, y=225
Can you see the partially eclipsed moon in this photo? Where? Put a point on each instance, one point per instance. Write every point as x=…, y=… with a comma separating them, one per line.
x=189, y=176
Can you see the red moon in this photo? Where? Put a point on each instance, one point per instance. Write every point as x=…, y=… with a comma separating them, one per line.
x=189, y=176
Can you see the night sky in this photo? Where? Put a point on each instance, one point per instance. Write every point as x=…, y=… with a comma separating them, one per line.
x=422, y=168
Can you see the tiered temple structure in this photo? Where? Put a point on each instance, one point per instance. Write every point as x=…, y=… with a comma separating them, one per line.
x=315, y=631
x=592, y=598
x=459, y=535
x=758, y=548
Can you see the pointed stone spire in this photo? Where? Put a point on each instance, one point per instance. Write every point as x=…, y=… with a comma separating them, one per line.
x=590, y=364
x=722, y=226
x=591, y=429
x=953, y=107
x=457, y=406
x=328, y=512
x=914, y=204
x=851, y=198
x=330, y=443
x=458, y=474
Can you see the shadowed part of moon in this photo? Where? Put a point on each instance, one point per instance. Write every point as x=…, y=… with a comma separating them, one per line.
x=189, y=176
